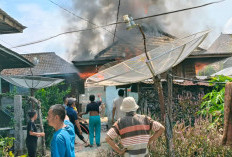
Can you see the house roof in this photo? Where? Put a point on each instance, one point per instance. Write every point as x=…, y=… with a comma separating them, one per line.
x=49, y=64
x=8, y=24
x=120, y=49
x=10, y=59
x=222, y=46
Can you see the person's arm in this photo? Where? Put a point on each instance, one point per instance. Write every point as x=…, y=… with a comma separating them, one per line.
x=87, y=111
x=37, y=134
x=114, y=146
x=158, y=129
x=113, y=113
x=78, y=126
x=82, y=119
x=31, y=131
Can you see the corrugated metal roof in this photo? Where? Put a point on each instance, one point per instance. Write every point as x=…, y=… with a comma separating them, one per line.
x=222, y=45
x=10, y=59
x=8, y=24
x=49, y=64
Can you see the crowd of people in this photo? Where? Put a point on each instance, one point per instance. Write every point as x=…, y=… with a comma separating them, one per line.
x=132, y=130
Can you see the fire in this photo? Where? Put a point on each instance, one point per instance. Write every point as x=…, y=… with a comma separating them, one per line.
x=86, y=75
x=199, y=66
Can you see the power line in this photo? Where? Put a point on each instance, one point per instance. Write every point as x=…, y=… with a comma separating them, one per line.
x=120, y=22
x=117, y=19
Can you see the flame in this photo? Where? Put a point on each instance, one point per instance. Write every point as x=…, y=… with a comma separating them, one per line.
x=86, y=74
x=199, y=66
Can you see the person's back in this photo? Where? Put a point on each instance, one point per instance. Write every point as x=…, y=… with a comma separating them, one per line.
x=63, y=141
x=134, y=131
x=117, y=103
x=117, y=113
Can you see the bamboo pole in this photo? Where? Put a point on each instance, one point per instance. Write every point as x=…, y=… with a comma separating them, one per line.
x=166, y=118
x=41, y=123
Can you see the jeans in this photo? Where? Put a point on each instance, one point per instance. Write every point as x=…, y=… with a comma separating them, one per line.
x=94, y=125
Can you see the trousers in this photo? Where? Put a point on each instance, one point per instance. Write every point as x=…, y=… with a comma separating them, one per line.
x=94, y=127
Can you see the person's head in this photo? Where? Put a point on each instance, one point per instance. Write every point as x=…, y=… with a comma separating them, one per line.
x=56, y=115
x=128, y=105
x=121, y=92
x=32, y=114
x=65, y=100
x=71, y=102
x=91, y=98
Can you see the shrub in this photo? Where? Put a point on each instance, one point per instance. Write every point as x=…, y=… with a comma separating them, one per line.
x=6, y=145
x=48, y=97
x=213, y=102
x=200, y=140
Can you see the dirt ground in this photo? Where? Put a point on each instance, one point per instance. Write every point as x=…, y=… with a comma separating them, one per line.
x=82, y=151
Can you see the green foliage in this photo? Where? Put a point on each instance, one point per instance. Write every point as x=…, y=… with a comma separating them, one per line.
x=213, y=102
x=199, y=140
x=48, y=97
x=209, y=70
x=5, y=145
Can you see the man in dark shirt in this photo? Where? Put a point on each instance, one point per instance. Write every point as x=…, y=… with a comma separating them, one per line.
x=72, y=114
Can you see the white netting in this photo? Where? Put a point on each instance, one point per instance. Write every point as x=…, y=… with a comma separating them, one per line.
x=161, y=58
x=35, y=82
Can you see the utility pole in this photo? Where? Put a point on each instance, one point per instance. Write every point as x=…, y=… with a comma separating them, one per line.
x=165, y=116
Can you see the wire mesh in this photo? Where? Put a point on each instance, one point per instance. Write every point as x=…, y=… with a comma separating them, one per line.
x=161, y=59
x=34, y=82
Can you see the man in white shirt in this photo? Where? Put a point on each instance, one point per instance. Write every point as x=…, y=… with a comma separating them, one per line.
x=117, y=113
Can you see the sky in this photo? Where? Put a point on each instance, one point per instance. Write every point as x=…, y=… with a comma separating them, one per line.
x=44, y=19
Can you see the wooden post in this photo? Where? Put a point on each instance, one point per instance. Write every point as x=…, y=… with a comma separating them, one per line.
x=41, y=128
x=34, y=100
x=18, y=130
x=227, y=132
x=156, y=78
x=168, y=116
x=164, y=117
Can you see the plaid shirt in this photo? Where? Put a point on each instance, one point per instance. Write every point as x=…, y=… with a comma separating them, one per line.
x=134, y=130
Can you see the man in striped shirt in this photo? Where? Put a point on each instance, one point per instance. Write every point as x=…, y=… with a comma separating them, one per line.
x=134, y=131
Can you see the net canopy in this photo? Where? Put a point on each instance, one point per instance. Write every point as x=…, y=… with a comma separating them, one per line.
x=137, y=69
x=32, y=82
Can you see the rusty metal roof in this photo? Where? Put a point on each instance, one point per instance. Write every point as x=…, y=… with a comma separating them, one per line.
x=49, y=64
x=9, y=25
x=10, y=59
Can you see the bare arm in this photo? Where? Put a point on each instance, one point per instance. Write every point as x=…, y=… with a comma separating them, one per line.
x=114, y=146
x=37, y=134
x=78, y=126
x=113, y=113
x=156, y=135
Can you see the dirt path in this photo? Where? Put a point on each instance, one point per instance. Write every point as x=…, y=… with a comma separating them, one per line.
x=94, y=151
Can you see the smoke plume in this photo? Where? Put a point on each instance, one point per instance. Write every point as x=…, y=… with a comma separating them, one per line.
x=101, y=12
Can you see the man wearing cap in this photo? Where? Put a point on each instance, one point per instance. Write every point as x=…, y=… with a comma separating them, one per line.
x=72, y=114
x=134, y=131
